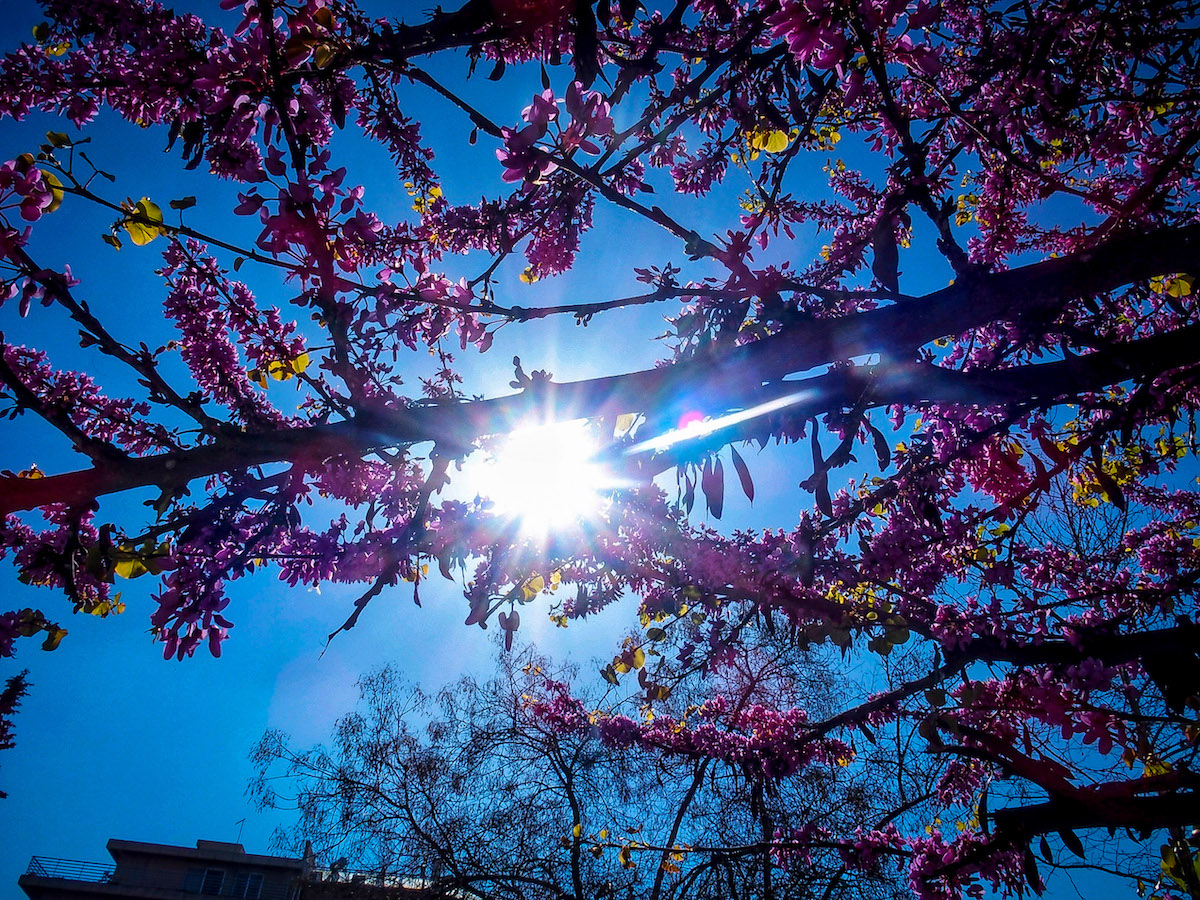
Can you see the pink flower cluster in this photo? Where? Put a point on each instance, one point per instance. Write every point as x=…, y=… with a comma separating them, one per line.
x=776, y=743
x=794, y=848
x=812, y=35
x=870, y=844
x=25, y=185
x=54, y=557
x=208, y=309
x=190, y=606
x=524, y=161
x=75, y=396
x=306, y=215
x=946, y=871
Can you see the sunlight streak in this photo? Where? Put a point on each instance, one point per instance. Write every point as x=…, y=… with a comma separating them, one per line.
x=693, y=426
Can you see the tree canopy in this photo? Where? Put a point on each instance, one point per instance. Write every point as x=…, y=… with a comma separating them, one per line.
x=473, y=792
x=938, y=258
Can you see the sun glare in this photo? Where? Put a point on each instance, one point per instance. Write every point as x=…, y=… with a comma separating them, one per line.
x=545, y=477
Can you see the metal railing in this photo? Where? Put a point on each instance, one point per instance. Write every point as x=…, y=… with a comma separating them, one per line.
x=74, y=869
x=233, y=883
x=371, y=877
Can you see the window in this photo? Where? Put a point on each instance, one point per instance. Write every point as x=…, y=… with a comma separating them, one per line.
x=193, y=880
x=248, y=885
x=213, y=879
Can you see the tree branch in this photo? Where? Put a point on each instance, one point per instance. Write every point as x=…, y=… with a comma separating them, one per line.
x=734, y=379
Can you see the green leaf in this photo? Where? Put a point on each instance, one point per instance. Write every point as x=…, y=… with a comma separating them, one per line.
x=743, y=474
x=1044, y=847
x=1071, y=841
x=712, y=483
x=1031, y=871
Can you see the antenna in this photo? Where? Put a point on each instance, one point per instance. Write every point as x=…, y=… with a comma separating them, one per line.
x=241, y=823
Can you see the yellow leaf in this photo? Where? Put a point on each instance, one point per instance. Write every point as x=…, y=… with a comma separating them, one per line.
x=322, y=56
x=1154, y=767
x=1181, y=286
x=770, y=141
x=145, y=222
x=527, y=276
x=283, y=369
x=54, y=636
x=130, y=567
x=577, y=830
x=56, y=190
x=625, y=422
x=532, y=587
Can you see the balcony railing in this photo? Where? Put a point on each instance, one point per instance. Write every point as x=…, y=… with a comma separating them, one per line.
x=199, y=881
x=74, y=869
x=371, y=877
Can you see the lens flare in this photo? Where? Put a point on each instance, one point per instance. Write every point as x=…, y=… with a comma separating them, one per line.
x=546, y=477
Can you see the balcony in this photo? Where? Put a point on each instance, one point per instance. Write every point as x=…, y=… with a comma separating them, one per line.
x=74, y=869
x=153, y=879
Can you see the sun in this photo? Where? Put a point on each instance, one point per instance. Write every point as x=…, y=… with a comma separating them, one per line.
x=545, y=477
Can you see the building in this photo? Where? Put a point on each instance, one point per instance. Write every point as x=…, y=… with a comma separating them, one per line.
x=141, y=871
x=161, y=872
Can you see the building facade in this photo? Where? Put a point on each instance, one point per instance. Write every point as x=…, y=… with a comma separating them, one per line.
x=162, y=872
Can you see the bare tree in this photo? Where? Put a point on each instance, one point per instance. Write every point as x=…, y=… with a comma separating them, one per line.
x=469, y=789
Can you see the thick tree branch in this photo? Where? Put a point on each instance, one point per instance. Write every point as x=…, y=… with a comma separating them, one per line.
x=1139, y=813
x=733, y=380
